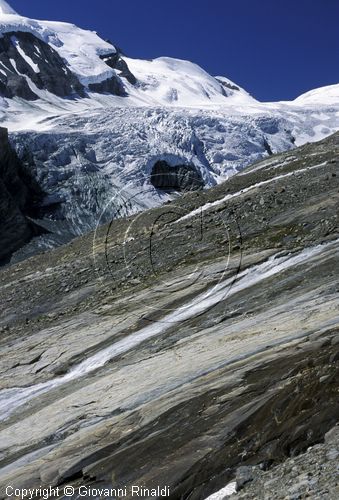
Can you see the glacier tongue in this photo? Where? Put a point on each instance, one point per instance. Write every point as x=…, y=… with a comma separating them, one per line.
x=97, y=165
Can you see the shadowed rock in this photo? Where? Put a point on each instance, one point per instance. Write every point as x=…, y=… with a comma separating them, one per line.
x=19, y=193
x=112, y=85
x=178, y=178
x=116, y=62
x=23, y=54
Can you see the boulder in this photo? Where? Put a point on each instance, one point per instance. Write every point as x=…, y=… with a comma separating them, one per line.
x=177, y=178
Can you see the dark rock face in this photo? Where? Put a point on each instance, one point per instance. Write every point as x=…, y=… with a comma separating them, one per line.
x=112, y=85
x=179, y=177
x=18, y=196
x=47, y=69
x=16, y=85
x=116, y=62
x=228, y=85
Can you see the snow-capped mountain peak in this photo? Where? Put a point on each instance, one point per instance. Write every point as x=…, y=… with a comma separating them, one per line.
x=322, y=96
x=5, y=8
x=80, y=49
x=44, y=61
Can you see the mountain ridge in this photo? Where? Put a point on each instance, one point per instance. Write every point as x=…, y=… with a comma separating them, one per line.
x=90, y=59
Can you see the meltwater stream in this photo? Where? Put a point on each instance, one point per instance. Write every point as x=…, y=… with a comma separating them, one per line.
x=14, y=398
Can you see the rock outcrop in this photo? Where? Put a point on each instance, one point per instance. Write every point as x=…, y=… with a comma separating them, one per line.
x=28, y=61
x=115, y=61
x=112, y=85
x=24, y=57
x=176, y=178
x=19, y=196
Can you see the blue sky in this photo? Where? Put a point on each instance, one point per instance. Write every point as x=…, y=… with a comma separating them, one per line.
x=276, y=49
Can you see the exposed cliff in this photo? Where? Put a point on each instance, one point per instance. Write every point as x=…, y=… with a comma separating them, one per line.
x=19, y=196
x=25, y=58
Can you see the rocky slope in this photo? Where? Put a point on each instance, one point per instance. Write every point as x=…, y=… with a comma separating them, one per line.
x=173, y=346
x=313, y=474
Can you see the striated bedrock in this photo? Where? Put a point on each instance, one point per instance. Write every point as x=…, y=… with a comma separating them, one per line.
x=24, y=56
x=19, y=195
x=176, y=178
x=177, y=362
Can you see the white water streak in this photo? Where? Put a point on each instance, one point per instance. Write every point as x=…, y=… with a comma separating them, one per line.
x=207, y=206
x=11, y=399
